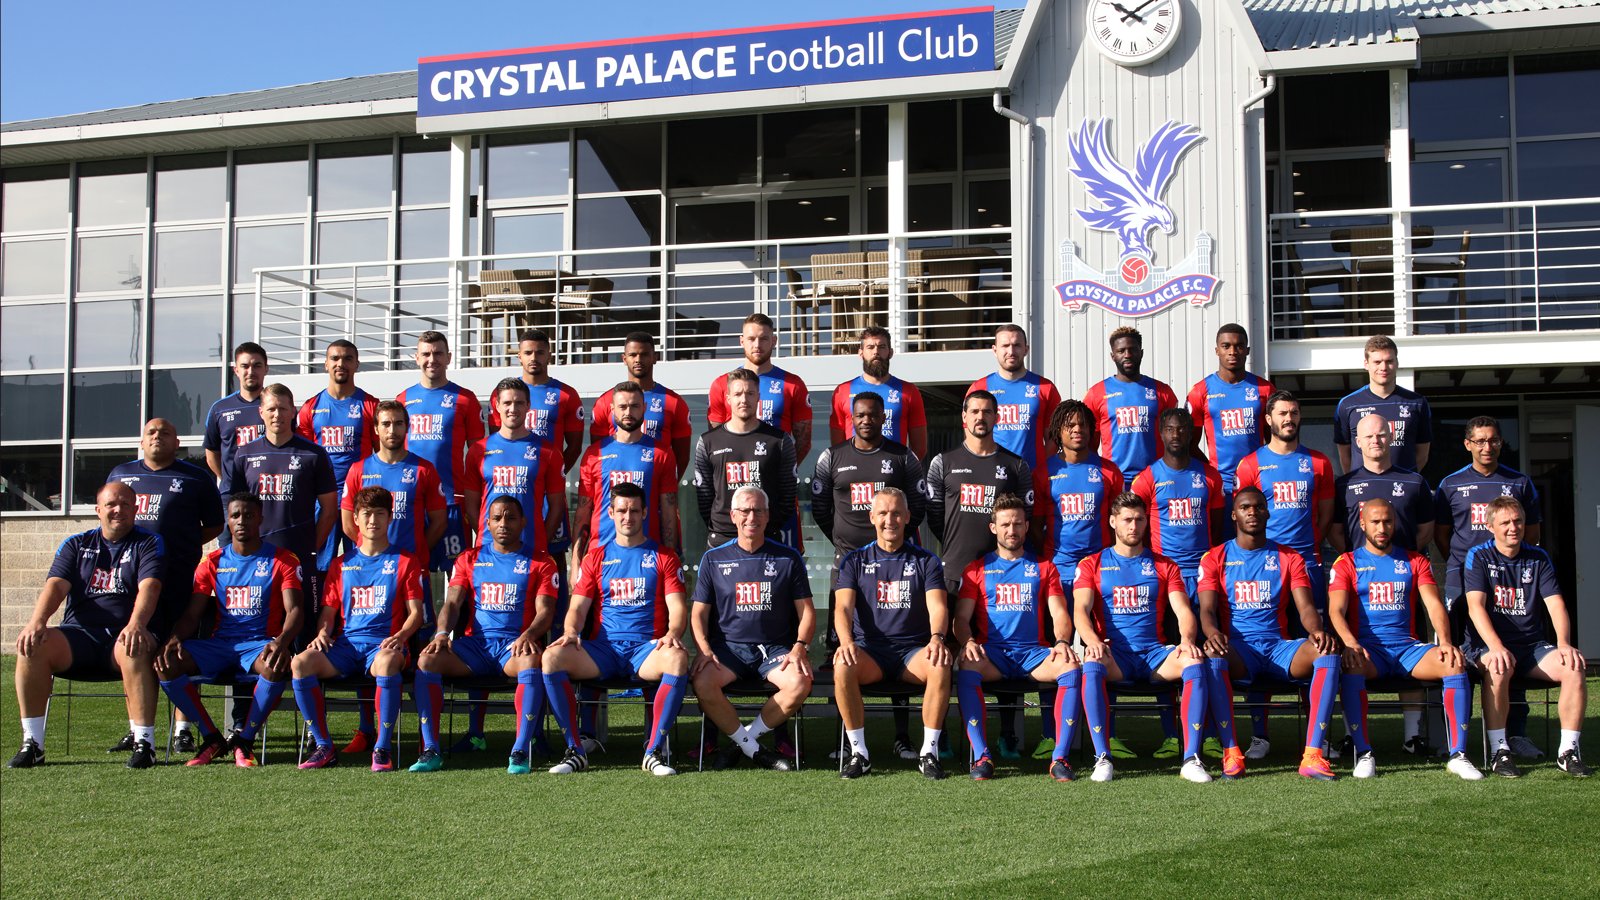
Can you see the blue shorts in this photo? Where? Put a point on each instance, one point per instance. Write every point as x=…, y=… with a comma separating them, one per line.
x=1396, y=659
x=1191, y=584
x=1016, y=662
x=1528, y=655
x=750, y=661
x=350, y=658
x=93, y=652
x=1267, y=659
x=218, y=657
x=893, y=658
x=618, y=659
x=484, y=657
x=1141, y=663
x=442, y=558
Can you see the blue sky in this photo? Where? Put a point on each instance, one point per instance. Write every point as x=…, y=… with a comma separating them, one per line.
x=82, y=55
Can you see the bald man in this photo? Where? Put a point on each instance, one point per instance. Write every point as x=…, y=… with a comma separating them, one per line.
x=110, y=579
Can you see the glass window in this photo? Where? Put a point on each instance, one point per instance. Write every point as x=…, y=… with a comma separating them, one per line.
x=34, y=199
x=807, y=217
x=111, y=263
x=619, y=158
x=32, y=337
x=269, y=182
x=424, y=233
x=1333, y=111
x=708, y=152
x=989, y=206
x=1340, y=184
x=184, y=396
x=358, y=240
x=1550, y=92
x=188, y=258
x=528, y=165
x=186, y=330
x=358, y=175
x=927, y=208
x=618, y=222
x=32, y=476
x=424, y=171
x=1458, y=100
x=111, y=193
x=1548, y=170
x=191, y=187
x=30, y=407
x=538, y=233
x=244, y=323
x=931, y=136
x=91, y=465
x=267, y=245
x=106, y=333
x=985, y=136
x=105, y=404
x=807, y=145
x=874, y=140
x=33, y=267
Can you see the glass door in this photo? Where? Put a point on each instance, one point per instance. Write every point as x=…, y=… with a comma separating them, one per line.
x=1460, y=269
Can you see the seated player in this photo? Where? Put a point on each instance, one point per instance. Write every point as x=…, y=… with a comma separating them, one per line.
x=375, y=591
x=1117, y=604
x=1370, y=603
x=512, y=593
x=638, y=585
x=1504, y=580
x=1247, y=586
x=753, y=619
x=892, y=613
x=1000, y=610
x=110, y=579
x=255, y=588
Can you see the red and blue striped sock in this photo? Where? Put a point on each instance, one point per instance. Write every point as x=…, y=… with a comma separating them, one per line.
x=1353, y=694
x=1193, y=709
x=1324, y=687
x=1048, y=699
x=564, y=704
x=313, y=708
x=388, y=703
x=427, y=691
x=1219, y=693
x=1457, y=710
x=185, y=695
x=530, y=707
x=969, y=698
x=664, y=710
x=262, y=703
x=1096, y=707
x=479, y=709
x=1066, y=706
x=368, y=697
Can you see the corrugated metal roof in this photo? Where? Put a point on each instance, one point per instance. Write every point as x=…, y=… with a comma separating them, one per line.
x=1005, y=31
x=1305, y=24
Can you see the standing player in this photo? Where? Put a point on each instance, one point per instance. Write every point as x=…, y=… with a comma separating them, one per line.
x=892, y=615
x=1248, y=587
x=443, y=420
x=1407, y=411
x=255, y=591
x=1186, y=496
x=1505, y=580
x=638, y=631
x=555, y=411
x=1370, y=604
x=375, y=594
x=510, y=592
x=1117, y=603
x=626, y=456
x=339, y=420
x=236, y=418
x=1025, y=401
x=413, y=482
x=753, y=619
x=110, y=579
x=742, y=452
x=666, y=416
x=1127, y=405
x=1229, y=408
x=905, y=421
x=295, y=481
x=512, y=462
x=1005, y=600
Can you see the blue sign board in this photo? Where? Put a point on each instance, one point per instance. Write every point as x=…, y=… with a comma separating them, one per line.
x=899, y=46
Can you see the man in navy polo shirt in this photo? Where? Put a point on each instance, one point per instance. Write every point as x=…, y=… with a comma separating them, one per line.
x=110, y=579
x=236, y=418
x=1379, y=476
x=1407, y=411
x=752, y=619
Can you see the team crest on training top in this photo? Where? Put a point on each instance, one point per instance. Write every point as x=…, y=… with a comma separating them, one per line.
x=263, y=568
x=1131, y=203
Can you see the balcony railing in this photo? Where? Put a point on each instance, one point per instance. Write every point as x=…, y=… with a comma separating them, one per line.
x=935, y=291
x=1459, y=269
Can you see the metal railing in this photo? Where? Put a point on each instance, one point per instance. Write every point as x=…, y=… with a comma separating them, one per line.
x=1458, y=269
x=934, y=291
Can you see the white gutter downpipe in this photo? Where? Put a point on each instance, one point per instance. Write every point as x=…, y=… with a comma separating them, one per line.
x=1021, y=230
x=1263, y=339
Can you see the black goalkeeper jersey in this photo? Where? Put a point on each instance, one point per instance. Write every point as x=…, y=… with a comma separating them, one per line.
x=725, y=461
x=848, y=478
x=962, y=487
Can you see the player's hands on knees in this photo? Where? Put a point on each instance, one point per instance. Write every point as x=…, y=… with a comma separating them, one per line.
x=1356, y=658
x=797, y=657
x=669, y=641
x=1323, y=642
x=393, y=644
x=704, y=661
x=1217, y=646
x=1498, y=662
x=972, y=651
x=1187, y=648
x=938, y=653
x=1093, y=650
x=525, y=646
x=846, y=654
x=136, y=640
x=275, y=656
x=1570, y=658
x=1062, y=653
x=30, y=639
x=569, y=639
x=439, y=644
x=168, y=655
x=321, y=642
x=1450, y=655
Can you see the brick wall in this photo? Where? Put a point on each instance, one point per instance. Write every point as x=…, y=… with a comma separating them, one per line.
x=26, y=548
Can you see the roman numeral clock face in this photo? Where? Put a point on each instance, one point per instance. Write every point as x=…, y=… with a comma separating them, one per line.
x=1134, y=32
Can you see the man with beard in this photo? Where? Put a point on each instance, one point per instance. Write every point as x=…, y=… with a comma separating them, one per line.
x=1229, y=408
x=629, y=456
x=905, y=421
x=741, y=452
x=665, y=419
x=1127, y=405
